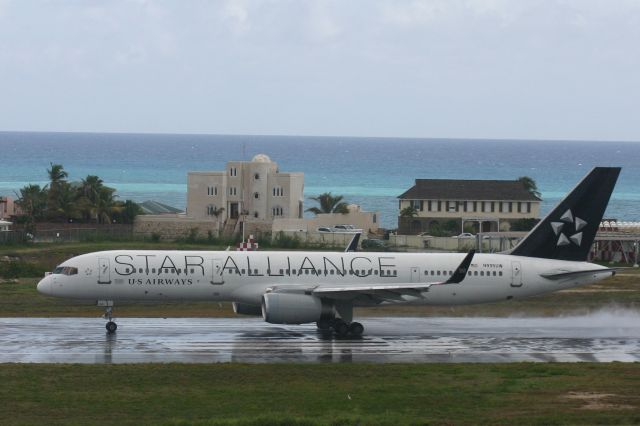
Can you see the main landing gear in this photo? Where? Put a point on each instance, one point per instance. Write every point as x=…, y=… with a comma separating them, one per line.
x=111, y=325
x=340, y=327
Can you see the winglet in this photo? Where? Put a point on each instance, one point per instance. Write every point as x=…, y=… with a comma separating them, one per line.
x=461, y=271
x=353, y=245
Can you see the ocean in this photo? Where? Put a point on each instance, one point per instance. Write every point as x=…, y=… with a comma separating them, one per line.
x=370, y=172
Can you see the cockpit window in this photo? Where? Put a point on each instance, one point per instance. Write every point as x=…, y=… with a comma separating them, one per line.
x=66, y=270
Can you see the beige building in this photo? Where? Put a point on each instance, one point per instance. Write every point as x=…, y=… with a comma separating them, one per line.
x=494, y=204
x=252, y=191
x=7, y=207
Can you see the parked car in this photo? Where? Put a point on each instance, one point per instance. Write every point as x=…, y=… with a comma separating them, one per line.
x=465, y=235
x=346, y=228
x=373, y=243
x=324, y=229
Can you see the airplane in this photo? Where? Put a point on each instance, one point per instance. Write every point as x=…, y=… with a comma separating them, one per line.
x=298, y=287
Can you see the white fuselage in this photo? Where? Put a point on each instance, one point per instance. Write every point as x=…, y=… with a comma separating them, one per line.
x=243, y=277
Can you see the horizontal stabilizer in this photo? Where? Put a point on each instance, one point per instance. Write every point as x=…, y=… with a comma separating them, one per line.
x=570, y=274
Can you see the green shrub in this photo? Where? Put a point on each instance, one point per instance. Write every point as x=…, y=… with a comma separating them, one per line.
x=19, y=269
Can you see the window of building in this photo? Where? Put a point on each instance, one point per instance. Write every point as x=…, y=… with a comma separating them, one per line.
x=255, y=214
x=500, y=206
x=277, y=211
x=493, y=207
x=519, y=207
x=415, y=204
x=482, y=206
x=375, y=218
x=439, y=206
x=233, y=190
x=528, y=207
x=429, y=205
x=233, y=171
x=256, y=176
x=510, y=207
x=475, y=206
x=256, y=195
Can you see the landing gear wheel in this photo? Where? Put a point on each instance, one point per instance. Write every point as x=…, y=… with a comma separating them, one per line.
x=340, y=328
x=356, y=329
x=323, y=324
x=111, y=327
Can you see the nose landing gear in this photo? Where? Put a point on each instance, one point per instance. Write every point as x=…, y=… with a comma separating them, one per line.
x=111, y=326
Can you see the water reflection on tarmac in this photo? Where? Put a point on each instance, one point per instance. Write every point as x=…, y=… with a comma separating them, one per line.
x=601, y=337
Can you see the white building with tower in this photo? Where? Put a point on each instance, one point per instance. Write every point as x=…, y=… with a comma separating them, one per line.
x=255, y=192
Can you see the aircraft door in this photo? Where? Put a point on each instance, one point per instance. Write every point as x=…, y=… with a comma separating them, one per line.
x=216, y=272
x=516, y=274
x=415, y=274
x=104, y=272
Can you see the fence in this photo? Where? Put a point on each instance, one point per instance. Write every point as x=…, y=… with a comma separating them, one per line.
x=13, y=237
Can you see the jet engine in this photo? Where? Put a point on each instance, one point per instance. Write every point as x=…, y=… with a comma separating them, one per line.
x=244, y=309
x=294, y=308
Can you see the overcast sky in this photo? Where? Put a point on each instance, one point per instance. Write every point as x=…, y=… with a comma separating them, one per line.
x=531, y=69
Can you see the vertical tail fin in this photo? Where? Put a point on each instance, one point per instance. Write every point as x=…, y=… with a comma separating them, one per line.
x=567, y=233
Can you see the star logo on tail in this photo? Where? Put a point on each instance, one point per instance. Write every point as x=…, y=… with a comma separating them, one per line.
x=565, y=220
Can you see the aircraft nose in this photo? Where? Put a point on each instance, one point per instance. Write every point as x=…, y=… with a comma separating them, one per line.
x=44, y=286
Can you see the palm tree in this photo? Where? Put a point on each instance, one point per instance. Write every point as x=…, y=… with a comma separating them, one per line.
x=57, y=176
x=329, y=204
x=105, y=205
x=32, y=201
x=96, y=201
x=530, y=186
x=409, y=211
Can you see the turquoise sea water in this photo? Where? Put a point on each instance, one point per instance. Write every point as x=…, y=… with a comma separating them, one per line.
x=371, y=172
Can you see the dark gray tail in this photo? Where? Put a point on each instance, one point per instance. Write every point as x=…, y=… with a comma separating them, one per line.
x=567, y=233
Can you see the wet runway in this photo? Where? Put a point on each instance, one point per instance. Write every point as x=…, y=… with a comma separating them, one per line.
x=600, y=337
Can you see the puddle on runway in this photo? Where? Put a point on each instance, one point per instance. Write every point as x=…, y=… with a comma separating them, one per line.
x=601, y=337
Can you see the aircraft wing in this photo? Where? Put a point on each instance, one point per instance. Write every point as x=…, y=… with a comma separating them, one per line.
x=353, y=244
x=387, y=292
x=393, y=291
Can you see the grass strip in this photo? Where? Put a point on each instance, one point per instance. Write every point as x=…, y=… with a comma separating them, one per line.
x=526, y=393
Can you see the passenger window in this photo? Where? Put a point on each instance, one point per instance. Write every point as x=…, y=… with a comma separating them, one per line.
x=375, y=272
x=140, y=270
x=242, y=271
x=255, y=272
x=306, y=271
x=192, y=270
x=126, y=271
x=482, y=273
x=500, y=273
x=281, y=272
x=153, y=270
x=332, y=272
x=494, y=273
